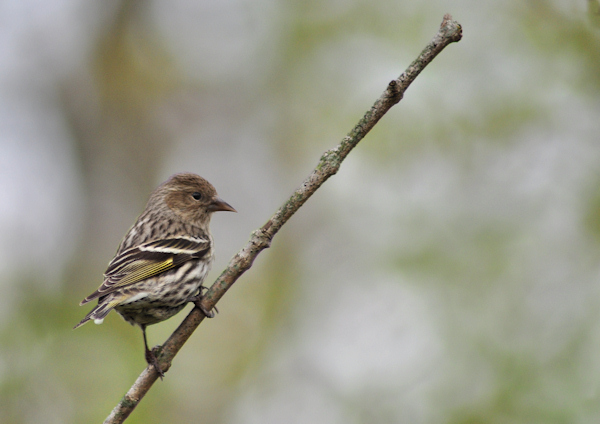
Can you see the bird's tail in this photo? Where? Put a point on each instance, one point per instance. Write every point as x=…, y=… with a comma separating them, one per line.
x=100, y=312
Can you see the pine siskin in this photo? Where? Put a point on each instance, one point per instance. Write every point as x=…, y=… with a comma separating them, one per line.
x=163, y=259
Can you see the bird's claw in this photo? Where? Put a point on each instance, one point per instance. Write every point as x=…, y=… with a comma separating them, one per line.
x=151, y=359
x=197, y=300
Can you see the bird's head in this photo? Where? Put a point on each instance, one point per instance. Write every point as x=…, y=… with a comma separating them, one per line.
x=192, y=198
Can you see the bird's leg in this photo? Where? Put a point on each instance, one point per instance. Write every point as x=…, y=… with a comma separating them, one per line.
x=197, y=300
x=150, y=356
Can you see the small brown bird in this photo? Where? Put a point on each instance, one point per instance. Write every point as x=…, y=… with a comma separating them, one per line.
x=163, y=259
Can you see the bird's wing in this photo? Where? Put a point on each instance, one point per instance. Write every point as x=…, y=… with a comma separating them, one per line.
x=148, y=260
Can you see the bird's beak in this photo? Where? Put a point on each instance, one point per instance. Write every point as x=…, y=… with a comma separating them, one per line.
x=219, y=204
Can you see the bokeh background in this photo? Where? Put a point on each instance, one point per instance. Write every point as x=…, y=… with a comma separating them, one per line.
x=449, y=273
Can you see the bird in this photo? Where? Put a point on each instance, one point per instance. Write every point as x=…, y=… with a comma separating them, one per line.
x=163, y=259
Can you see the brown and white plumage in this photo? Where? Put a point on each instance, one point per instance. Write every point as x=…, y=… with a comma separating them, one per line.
x=138, y=277
x=163, y=259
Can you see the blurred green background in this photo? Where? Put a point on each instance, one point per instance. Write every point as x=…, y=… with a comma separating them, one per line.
x=449, y=273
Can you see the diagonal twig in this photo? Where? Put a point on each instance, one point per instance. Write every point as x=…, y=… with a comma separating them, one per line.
x=450, y=31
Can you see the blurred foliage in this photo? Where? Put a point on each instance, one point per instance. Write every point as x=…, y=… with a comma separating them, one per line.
x=447, y=274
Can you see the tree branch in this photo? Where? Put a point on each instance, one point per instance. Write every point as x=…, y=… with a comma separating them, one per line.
x=450, y=31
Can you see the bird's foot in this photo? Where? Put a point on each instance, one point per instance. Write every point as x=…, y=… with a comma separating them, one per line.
x=197, y=300
x=151, y=359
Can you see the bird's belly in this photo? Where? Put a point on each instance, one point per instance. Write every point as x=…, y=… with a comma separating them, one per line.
x=159, y=298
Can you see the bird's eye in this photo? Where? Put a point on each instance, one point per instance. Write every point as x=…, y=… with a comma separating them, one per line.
x=197, y=195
